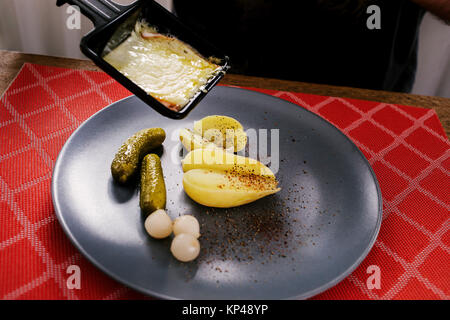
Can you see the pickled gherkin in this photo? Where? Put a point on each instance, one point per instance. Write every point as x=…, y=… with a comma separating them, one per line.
x=153, y=188
x=127, y=160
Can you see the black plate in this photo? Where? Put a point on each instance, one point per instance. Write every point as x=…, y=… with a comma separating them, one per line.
x=294, y=244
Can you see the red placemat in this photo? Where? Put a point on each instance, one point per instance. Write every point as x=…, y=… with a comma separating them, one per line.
x=406, y=146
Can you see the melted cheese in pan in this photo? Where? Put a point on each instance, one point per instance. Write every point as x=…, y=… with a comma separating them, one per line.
x=164, y=67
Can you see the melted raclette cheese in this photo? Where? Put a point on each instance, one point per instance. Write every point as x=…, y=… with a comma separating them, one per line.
x=163, y=66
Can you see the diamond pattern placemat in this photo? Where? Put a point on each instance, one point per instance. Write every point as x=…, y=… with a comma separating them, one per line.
x=406, y=146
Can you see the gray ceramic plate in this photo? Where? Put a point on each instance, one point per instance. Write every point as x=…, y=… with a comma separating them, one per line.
x=294, y=244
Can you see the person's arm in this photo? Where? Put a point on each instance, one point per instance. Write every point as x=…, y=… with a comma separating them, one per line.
x=440, y=8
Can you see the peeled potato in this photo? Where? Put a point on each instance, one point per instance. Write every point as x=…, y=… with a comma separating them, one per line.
x=224, y=131
x=213, y=175
x=214, y=188
x=218, y=159
x=193, y=141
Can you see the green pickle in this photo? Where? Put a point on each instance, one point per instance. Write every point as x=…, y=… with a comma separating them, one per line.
x=153, y=188
x=127, y=160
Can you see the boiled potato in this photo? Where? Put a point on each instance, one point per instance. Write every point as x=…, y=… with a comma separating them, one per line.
x=193, y=141
x=217, y=188
x=216, y=177
x=225, y=132
x=218, y=159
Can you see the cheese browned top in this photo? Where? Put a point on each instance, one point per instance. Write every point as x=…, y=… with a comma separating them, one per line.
x=163, y=66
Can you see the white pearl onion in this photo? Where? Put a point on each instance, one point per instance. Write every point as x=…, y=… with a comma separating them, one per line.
x=158, y=224
x=185, y=247
x=186, y=224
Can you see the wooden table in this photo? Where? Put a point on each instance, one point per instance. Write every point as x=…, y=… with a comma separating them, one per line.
x=11, y=62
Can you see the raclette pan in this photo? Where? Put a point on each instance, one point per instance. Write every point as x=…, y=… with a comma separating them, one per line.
x=113, y=24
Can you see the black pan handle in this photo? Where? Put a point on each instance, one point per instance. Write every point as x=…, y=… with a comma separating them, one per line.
x=98, y=11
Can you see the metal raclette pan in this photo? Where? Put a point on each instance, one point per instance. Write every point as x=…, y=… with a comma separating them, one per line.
x=113, y=23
